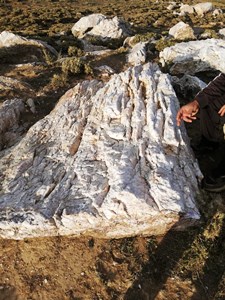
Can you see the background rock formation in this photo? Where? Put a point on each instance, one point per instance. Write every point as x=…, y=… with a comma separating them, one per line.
x=194, y=56
x=17, y=49
x=102, y=28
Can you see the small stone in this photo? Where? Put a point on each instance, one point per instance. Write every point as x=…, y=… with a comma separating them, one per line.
x=30, y=103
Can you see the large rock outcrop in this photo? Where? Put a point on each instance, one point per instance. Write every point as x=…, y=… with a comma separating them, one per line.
x=194, y=56
x=108, y=161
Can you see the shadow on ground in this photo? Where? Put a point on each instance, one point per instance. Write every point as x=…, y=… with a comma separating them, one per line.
x=194, y=260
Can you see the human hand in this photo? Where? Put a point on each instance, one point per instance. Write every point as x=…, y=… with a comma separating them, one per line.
x=221, y=112
x=188, y=112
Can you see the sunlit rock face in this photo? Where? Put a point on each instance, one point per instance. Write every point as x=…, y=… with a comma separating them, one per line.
x=194, y=56
x=108, y=161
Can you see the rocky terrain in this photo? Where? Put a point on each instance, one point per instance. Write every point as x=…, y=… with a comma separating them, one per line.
x=100, y=191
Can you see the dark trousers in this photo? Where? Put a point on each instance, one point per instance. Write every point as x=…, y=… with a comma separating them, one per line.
x=211, y=126
x=211, y=123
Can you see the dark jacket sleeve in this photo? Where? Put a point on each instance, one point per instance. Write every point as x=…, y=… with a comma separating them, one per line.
x=215, y=89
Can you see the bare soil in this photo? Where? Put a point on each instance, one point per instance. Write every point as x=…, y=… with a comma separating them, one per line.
x=179, y=265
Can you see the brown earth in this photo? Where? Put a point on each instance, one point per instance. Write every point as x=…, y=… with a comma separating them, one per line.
x=179, y=265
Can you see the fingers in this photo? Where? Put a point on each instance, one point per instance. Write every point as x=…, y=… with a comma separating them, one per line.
x=221, y=112
x=194, y=112
x=185, y=117
x=179, y=117
x=189, y=118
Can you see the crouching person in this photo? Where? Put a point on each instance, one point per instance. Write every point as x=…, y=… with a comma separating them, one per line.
x=210, y=106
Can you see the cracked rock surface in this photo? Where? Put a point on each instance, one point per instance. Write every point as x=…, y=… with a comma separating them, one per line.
x=107, y=161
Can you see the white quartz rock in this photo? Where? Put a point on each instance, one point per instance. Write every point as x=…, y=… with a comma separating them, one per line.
x=114, y=28
x=200, y=8
x=186, y=9
x=217, y=12
x=222, y=32
x=86, y=23
x=203, y=8
x=194, y=56
x=172, y=5
x=182, y=31
x=109, y=161
x=101, y=27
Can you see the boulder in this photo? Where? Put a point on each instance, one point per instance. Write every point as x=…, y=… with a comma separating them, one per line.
x=108, y=161
x=200, y=8
x=93, y=49
x=85, y=24
x=105, y=29
x=104, y=71
x=222, y=32
x=172, y=5
x=186, y=9
x=17, y=49
x=187, y=86
x=137, y=55
x=217, y=12
x=203, y=8
x=182, y=31
x=209, y=34
x=30, y=103
x=8, y=84
x=10, y=114
x=194, y=56
x=114, y=28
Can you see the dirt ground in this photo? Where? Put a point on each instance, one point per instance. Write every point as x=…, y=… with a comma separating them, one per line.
x=180, y=265
x=188, y=265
